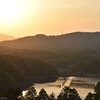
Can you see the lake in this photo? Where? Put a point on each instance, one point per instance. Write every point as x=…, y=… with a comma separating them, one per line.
x=83, y=85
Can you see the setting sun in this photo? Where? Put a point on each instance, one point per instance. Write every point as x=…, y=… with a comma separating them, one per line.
x=29, y=17
x=49, y=50
x=8, y=9
x=14, y=11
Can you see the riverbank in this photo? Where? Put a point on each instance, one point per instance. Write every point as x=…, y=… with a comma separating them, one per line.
x=83, y=85
x=79, y=75
x=29, y=81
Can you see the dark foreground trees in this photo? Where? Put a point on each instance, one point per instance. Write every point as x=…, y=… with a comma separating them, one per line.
x=66, y=94
x=43, y=95
x=17, y=72
x=96, y=95
x=10, y=94
x=31, y=94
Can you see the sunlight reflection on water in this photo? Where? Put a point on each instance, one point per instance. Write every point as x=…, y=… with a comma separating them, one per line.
x=82, y=84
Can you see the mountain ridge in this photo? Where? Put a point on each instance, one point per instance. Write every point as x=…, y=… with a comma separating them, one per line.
x=75, y=40
x=4, y=37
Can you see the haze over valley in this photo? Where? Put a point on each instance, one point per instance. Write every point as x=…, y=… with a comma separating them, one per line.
x=49, y=49
x=75, y=40
x=5, y=37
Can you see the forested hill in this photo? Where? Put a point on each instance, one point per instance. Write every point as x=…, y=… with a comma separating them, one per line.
x=15, y=69
x=76, y=40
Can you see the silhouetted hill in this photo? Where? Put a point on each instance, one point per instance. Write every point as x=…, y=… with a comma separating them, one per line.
x=76, y=40
x=16, y=69
x=4, y=37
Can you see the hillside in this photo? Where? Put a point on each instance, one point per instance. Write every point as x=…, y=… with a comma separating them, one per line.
x=15, y=70
x=65, y=62
x=76, y=40
x=4, y=37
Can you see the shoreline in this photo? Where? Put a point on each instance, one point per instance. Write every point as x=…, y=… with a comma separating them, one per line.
x=45, y=79
x=36, y=79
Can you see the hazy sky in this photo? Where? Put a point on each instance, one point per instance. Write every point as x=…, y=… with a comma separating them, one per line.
x=30, y=17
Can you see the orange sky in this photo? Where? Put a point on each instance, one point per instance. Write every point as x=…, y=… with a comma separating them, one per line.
x=30, y=17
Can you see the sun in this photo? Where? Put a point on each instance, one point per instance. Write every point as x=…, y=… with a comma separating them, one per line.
x=12, y=11
x=9, y=9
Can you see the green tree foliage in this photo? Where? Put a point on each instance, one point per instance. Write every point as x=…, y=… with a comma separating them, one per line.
x=43, y=95
x=31, y=94
x=96, y=95
x=52, y=96
x=97, y=88
x=90, y=96
x=60, y=96
x=6, y=81
x=68, y=94
x=15, y=70
x=9, y=67
x=69, y=60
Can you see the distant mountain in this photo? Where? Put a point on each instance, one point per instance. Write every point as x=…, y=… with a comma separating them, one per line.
x=75, y=40
x=4, y=37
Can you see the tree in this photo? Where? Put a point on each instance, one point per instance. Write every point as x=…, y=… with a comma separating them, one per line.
x=68, y=94
x=52, y=96
x=90, y=96
x=97, y=88
x=43, y=95
x=21, y=97
x=31, y=94
x=60, y=96
x=96, y=95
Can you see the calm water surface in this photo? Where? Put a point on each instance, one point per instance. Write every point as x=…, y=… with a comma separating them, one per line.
x=83, y=85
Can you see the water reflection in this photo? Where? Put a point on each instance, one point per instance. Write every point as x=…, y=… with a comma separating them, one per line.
x=82, y=84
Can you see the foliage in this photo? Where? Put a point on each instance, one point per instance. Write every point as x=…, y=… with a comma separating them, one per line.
x=69, y=61
x=66, y=94
x=43, y=95
x=94, y=96
x=52, y=96
x=97, y=88
x=69, y=94
x=15, y=70
x=31, y=93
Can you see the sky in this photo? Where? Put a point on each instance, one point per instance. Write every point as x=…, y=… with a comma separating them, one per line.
x=50, y=17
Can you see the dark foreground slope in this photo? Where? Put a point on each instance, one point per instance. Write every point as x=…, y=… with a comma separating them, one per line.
x=77, y=40
x=15, y=70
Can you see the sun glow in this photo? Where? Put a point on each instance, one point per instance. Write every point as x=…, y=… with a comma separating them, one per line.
x=12, y=11
x=8, y=10
x=28, y=17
